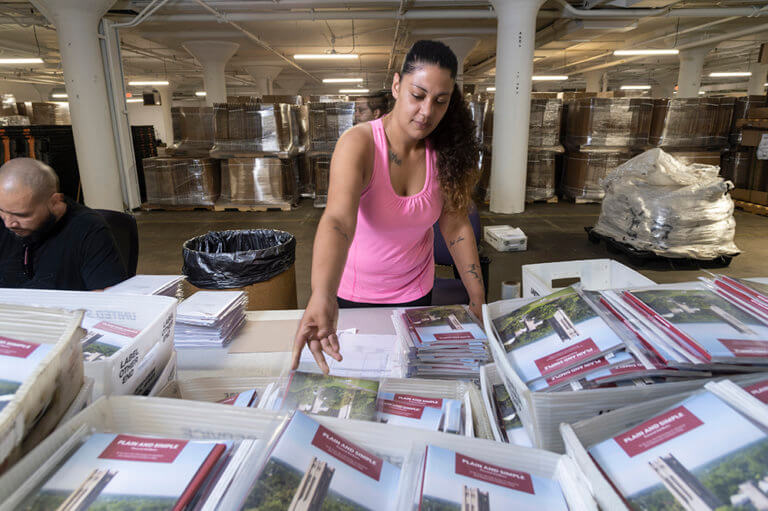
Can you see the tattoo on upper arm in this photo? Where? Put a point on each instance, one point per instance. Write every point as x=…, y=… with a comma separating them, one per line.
x=453, y=242
x=342, y=233
x=473, y=271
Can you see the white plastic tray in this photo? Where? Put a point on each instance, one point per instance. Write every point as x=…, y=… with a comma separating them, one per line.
x=594, y=274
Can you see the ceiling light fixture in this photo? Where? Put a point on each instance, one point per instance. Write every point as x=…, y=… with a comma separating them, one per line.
x=353, y=91
x=326, y=56
x=635, y=87
x=620, y=53
x=342, y=80
x=490, y=89
x=135, y=100
x=59, y=95
x=157, y=82
x=701, y=92
x=35, y=60
x=549, y=78
x=201, y=93
x=730, y=74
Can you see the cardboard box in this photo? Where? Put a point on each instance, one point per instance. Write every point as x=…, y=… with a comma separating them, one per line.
x=741, y=194
x=758, y=197
x=750, y=137
x=505, y=238
x=702, y=157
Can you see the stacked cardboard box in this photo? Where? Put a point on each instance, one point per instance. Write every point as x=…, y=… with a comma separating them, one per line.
x=192, y=131
x=747, y=164
x=176, y=181
x=327, y=121
x=543, y=146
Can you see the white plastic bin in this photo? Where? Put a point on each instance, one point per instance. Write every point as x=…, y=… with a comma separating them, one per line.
x=594, y=274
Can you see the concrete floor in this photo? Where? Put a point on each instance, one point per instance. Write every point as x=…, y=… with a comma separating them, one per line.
x=555, y=233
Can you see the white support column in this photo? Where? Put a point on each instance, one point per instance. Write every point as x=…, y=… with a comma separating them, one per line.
x=516, y=21
x=594, y=80
x=166, y=100
x=77, y=24
x=263, y=75
x=691, y=68
x=213, y=56
x=461, y=47
x=757, y=80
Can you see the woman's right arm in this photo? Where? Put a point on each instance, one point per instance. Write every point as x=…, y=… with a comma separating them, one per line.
x=334, y=235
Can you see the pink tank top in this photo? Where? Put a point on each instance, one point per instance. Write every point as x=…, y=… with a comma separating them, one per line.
x=391, y=259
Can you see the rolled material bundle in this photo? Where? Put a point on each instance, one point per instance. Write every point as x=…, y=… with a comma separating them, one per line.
x=182, y=181
x=267, y=180
x=585, y=170
x=656, y=203
x=608, y=122
x=327, y=121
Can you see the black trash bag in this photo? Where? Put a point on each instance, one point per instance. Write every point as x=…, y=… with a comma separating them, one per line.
x=228, y=259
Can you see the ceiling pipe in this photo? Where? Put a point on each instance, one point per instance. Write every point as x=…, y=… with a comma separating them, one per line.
x=570, y=11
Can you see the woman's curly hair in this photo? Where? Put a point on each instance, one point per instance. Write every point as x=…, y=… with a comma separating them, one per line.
x=458, y=150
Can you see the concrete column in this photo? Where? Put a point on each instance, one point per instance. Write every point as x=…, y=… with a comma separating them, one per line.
x=290, y=86
x=691, y=68
x=461, y=47
x=213, y=56
x=77, y=23
x=264, y=75
x=516, y=21
x=166, y=98
x=594, y=80
x=757, y=80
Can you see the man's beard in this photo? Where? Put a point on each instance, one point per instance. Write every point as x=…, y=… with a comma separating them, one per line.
x=40, y=233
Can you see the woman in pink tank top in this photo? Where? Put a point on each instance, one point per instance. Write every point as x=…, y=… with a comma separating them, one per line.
x=391, y=179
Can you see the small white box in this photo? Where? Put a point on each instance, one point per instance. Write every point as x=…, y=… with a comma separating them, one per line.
x=505, y=238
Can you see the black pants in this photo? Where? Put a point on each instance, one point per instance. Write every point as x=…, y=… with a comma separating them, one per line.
x=420, y=302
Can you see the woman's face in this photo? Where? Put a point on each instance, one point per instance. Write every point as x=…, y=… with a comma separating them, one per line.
x=422, y=98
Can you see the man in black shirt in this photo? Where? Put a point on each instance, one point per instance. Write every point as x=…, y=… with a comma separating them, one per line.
x=48, y=241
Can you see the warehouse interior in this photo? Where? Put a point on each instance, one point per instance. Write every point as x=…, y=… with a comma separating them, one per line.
x=193, y=54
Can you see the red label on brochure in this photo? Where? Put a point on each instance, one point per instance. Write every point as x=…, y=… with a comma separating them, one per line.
x=346, y=452
x=146, y=450
x=658, y=430
x=429, y=402
x=759, y=390
x=230, y=400
x=402, y=409
x=558, y=360
x=631, y=367
x=579, y=369
x=457, y=336
x=500, y=476
x=112, y=328
x=14, y=348
x=746, y=348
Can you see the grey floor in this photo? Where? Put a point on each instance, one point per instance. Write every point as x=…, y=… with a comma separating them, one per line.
x=555, y=233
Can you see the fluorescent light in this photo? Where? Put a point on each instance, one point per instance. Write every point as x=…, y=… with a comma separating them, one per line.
x=158, y=82
x=342, y=80
x=729, y=74
x=353, y=91
x=540, y=78
x=59, y=95
x=200, y=93
x=701, y=92
x=326, y=56
x=490, y=89
x=135, y=100
x=635, y=87
x=35, y=60
x=619, y=53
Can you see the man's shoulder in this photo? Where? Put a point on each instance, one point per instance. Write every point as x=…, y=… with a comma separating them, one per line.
x=81, y=215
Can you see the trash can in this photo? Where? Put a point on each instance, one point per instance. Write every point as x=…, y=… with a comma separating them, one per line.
x=257, y=261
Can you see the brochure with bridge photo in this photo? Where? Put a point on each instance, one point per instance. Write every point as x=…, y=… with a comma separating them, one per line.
x=454, y=481
x=436, y=414
x=707, y=326
x=18, y=359
x=331, y=396
x=110, y=471
x=312, y=468
x=553, y=334
x=699, y=454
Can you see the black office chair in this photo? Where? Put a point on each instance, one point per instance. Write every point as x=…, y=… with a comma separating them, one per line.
x=451, y=291
x=126, y=233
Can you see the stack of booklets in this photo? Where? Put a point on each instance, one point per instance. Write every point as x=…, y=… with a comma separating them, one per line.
x=442, y=341
x=431, y=413
x=18, y=359
x=210, y=318
x=506, y=424
x=700, y=453
x=748, y=294
x=161, y=285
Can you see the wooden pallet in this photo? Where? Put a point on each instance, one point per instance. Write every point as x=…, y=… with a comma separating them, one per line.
x=757, y=209
x=224, y=206
x=579, y=200
x=152, y=207
x=551, y=200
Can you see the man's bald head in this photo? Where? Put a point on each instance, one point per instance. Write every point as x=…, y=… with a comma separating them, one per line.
x=27, y=175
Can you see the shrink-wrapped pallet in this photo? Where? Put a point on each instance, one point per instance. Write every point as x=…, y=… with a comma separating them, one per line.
x=608, y=122
x=540, y=178
x=182, y=181
x=691, y=122
x=736, y=167
x=192, y=130
x=544, y=124
x=249, y=128
x=741, y=108
x=584, y=172
x=327, y=122
x=259, y=181
x=320, y=167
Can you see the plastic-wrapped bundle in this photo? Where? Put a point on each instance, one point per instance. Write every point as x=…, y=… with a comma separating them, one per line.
x=703, y=157
x=260, y=181
x=14, y=120
x=655, y=202
x=306, y=177
x=327, y=121
x=736, y=167
x=741, y=107
x=540, y=179
x=301, y=121
x=193, y=131
x=584, y=172
x=692, y=122
x=320, y=167
x=608, y=122
x=477, y=111
x=248, y=127
x=544, y=125
x=182, y=181
x=488, y=122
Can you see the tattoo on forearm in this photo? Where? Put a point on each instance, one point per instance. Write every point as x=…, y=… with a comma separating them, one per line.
x=473, y=271
x=453, y=242
x=342, y=233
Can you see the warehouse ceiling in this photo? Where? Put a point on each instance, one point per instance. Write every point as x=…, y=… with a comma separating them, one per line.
x=567, y=42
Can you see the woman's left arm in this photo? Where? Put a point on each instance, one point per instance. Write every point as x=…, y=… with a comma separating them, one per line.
x=460, y=238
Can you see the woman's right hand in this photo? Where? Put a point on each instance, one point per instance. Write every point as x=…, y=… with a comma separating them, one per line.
x=317, y=330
